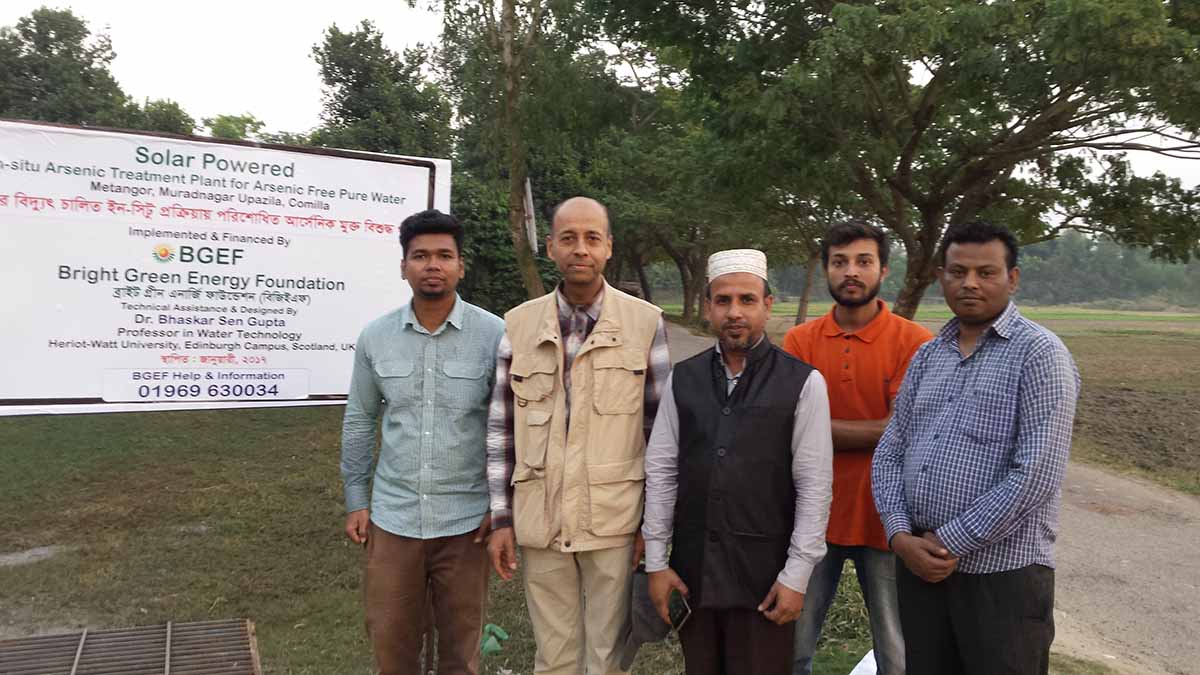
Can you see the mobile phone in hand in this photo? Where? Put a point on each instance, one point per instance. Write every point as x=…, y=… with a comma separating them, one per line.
x=678, y=609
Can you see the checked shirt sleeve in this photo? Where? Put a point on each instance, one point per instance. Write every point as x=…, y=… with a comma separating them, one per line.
x=358, y=431
x=887, y=467
x=659, y=367
x=501, y=444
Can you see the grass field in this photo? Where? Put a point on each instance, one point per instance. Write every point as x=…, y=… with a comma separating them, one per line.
x=207, y=514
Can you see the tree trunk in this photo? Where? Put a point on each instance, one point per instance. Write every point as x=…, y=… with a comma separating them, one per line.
x=639, y=265
x=699, y=282
x=689, y=306
x=810, y=277
x=910, y=296
x=922, y=265
x=526, y=263
x=685, y=274
x=614, y=272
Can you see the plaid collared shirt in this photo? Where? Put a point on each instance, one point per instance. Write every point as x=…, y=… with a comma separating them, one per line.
x=977, y=446
x=575, y=323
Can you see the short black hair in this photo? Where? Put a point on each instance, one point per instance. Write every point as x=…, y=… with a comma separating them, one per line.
x=979, y=232
x=708, y=289
x=848, y=231
x=431, y=221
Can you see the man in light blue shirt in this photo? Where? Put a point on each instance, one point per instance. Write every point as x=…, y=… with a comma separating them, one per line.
x=426, y=370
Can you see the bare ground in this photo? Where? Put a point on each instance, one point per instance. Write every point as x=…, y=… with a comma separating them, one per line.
x=1128, y=573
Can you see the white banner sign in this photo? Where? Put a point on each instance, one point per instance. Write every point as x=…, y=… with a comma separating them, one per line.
x=145, y=272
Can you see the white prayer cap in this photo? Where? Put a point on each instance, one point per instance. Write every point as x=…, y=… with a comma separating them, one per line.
x=737, y=260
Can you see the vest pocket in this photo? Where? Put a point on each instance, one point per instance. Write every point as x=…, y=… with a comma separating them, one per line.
x=616, y=491
x=533, y=436
x=530, y=523
x=531, y=377
x=619, y=381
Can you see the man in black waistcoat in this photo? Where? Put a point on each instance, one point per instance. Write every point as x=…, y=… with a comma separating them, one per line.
x=738, y=481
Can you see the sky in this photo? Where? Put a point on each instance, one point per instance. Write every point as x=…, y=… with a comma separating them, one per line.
x=255, y=56
x=226, y=57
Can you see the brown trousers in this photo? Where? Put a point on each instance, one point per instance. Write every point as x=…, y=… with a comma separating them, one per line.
x=400, y=574
x=735, y=642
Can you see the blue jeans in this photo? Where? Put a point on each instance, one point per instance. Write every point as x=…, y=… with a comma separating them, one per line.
x=876, y=572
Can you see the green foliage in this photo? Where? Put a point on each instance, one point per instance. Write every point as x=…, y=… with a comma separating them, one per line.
x=570, y=100
x=931, y=112
x=375, y=99
x=1074, y=269
x=287, y=138
x=492, y=280
x=234, y=127
x=161, y=115
x=53, y=69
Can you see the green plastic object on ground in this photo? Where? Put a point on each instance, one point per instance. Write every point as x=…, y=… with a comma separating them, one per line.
x=489, y=642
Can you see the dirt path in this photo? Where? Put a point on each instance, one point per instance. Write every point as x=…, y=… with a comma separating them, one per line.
x=1128, y=573
x=1128, y=577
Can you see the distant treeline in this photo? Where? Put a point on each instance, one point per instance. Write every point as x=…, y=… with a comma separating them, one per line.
x=1070, y=270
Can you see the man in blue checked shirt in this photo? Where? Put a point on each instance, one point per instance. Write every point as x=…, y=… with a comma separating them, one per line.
x=427, y=371
x=967, y=476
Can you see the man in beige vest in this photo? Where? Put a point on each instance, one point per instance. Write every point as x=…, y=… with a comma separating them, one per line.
x=580, y=372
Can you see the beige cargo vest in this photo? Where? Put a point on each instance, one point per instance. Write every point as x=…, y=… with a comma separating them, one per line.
x=580, y=490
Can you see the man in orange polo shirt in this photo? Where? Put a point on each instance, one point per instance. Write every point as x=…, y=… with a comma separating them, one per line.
x=862, y=349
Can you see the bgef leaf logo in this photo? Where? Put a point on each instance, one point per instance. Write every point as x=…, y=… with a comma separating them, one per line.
x=164, y=253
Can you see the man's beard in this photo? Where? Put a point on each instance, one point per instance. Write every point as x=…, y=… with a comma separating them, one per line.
x=729, y=344
x=433, y=295
x=868, y=297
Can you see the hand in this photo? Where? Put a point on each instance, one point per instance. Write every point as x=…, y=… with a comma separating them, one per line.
x=941, y=550
x=357, y=524
x=925, y=557
x=502, y=549
x=782, y=604
x=485, y=529
x=639, y=549
x=660, y=585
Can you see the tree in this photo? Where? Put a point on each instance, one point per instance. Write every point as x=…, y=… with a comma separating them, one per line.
x=497, y=52
x=666, y=186
x=375, y=99
x=162, y=115
x=942, y=111
x=234, y=127
x=492, y=279
x=53, y=69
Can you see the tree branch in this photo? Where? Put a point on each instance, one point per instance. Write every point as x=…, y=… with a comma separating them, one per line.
x=535, y=26
x=878, y=111
x=922, y=117
x=490, y=25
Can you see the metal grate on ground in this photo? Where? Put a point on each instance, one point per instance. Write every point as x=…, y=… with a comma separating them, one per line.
x=197, y=648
